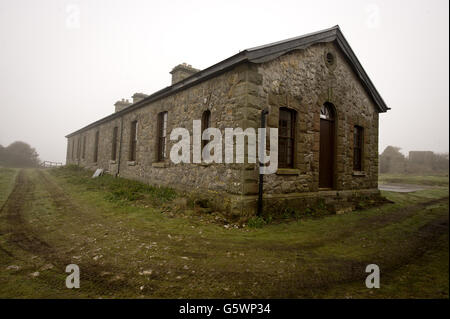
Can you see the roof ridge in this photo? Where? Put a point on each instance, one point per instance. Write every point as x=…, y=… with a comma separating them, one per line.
x=336, y=27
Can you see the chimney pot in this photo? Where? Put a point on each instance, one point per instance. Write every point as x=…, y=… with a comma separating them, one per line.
x=120, y=105
x=182, y=71
x=138, y=97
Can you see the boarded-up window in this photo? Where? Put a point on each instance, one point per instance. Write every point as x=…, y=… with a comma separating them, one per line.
x=357, y=147
x=286, y=138
x=97, y=136
x=162, y=130
x=83, y=153
x=133, y=141
x=114, y=144
x=206, y=123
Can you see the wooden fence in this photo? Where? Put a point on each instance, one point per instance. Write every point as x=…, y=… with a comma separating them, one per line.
x=47, y=164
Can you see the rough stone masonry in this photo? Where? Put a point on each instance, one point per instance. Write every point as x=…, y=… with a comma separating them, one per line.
x=315, y=80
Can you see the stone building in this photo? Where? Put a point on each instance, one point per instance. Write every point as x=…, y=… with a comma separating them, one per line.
x=316, y=93
x=421, y=157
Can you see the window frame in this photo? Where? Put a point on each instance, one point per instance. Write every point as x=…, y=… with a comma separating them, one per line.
x=79, y=148
x=206, y=123
x=114, y=143
x=132, y=151
x=83, y=150
x=358, y=148
x=288, y=160
x=327, y=112
x=162, y=136
x=96, y=142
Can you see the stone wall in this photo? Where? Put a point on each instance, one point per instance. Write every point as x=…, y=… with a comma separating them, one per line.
x=303, y=81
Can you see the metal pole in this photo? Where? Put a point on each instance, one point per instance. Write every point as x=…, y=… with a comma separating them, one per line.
x=262, y=153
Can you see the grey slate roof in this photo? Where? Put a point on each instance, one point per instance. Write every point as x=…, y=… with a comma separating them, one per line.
x=261, y=54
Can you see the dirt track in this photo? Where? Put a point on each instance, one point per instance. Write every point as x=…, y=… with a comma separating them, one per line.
x=120, y=277
x=25, y=237
x=22, y=236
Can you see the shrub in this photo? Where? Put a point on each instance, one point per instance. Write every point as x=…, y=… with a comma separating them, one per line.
x=256, y=222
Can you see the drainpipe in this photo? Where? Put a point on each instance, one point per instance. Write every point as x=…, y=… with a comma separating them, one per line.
x=120, y=146
x=261, y=176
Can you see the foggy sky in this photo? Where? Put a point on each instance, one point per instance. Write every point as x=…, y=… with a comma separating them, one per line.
x=63, y=64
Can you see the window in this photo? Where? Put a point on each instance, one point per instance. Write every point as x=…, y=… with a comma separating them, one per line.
x=326, y=111
x=206, y=123
x=114, y=144
x=73, y=149
x=133, y=141
x=83, y=153
x=96, y=146
x=79, y=147
x=330, y=58
x=286, y=138
x=162, y=129
x=357, y=148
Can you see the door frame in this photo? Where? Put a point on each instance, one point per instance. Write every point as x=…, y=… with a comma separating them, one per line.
x=335, y=146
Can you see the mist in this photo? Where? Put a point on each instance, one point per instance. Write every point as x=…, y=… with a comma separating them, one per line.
x=63, y=64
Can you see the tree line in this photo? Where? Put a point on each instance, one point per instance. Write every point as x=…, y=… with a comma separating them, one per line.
x=417, y=162
x=19, y=154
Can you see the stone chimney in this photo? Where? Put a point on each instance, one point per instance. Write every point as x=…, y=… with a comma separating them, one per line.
x=138, y=97
x=182, y=71
x=120, y=105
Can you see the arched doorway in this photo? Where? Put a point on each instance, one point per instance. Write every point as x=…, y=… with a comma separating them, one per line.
x=326, y=152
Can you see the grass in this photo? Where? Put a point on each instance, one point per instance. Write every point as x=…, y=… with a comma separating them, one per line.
x=428, y=180
x=7, y=176
x=116, y=189
x=128, y=244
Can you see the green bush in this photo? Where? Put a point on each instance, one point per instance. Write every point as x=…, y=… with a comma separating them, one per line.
x=256, y=222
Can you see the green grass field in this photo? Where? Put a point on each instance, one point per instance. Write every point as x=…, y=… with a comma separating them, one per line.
x=428, y=180
x=131, y=240
x=7, y=176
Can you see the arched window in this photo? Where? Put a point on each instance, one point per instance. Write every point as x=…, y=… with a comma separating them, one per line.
x=114, y=144
x=358, y=140
x=286, y=138
x=79, y=147
x=97, y=138
x=73, y=148
x=84, y=148
x=326, y=111
x=162, y=131
x=327, y=146
x=133, y=141
x=206, y=123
